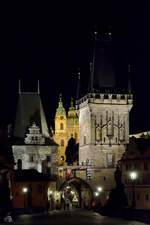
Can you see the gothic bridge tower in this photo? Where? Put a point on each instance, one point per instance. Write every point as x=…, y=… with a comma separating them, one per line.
x=103, y=117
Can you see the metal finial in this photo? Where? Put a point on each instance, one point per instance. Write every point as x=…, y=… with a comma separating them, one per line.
x=78, y=73
x=60, y=97
x=71, y=101
x=129, y=68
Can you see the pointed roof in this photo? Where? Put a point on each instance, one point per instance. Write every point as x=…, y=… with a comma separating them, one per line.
x=60, y=109
x=102, y=73
x=72, y=111
x=29, y=110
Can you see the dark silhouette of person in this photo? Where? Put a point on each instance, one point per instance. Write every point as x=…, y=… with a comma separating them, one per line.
x=70, y=150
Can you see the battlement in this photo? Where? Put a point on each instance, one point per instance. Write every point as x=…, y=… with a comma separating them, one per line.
x=98, y=98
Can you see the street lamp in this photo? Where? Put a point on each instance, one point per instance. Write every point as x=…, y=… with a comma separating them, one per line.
x=100, y=189
x=133, y=176
x=25, y=190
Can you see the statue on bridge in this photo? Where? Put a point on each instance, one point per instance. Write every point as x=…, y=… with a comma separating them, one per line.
x=71, y=151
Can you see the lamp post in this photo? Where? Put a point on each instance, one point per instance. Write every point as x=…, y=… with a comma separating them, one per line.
x=25, y=190
x=133, y=176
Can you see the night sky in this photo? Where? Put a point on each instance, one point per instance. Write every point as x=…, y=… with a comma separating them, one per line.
x=50, y=42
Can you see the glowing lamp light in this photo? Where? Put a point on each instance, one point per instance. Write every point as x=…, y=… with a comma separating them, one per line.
x=133, y=175
x=99, y=189
x=96, y=193
x=25, y=190
x=50, y=192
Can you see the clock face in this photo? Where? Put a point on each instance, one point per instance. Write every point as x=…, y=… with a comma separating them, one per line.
x=61, y=117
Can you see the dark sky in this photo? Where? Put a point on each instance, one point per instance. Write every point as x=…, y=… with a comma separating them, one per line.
x=50, y=41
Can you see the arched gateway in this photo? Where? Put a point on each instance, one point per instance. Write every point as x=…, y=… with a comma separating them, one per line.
x=78, y=191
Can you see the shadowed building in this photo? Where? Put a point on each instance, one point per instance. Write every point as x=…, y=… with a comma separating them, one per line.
x=32, y=146
x=136, y=159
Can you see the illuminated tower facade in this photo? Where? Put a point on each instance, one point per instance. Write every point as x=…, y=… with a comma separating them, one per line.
x=103, y=116
x=65, y=127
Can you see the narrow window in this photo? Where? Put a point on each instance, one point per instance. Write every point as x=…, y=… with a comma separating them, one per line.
x=138, y=197
x=145, y=166
x=48, y=158
x=84, y=140
x=31, y=158
x=61, y=126
x=62, y=142
x=147, y=197
x=104, y=139
x=110, y=160
x=48, y=170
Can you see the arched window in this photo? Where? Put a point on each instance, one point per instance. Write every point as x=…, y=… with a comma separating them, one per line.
x=62, y=142
x=61, y=126
x=84, y=141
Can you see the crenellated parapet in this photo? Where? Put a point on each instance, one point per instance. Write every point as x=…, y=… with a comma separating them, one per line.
x=99, y=98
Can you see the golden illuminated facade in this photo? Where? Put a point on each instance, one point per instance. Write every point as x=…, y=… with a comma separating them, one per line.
x=65, y=127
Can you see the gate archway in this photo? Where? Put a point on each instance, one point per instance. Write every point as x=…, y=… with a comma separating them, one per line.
x=77, y=191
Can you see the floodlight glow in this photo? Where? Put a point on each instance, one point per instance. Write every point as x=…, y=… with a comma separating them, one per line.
x=96, y=193
x=133, y=175
x=99, y=189
x=25, y=190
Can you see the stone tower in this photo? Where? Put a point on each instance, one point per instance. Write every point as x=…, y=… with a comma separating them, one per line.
x=32, y=145
x=65, y=127
x=103, y=116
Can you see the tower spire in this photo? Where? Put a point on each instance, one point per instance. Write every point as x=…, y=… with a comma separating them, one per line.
x=78, y=84
x=38, y=87
x=19, y=86
x=129, y=79
x=93, y=60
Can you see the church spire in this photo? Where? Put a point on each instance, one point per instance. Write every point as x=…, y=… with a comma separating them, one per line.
x=60, y=109
x=129, y=79
x=78, y=84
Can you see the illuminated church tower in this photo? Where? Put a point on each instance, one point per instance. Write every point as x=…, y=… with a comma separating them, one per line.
x=65, y=127
x=103, y=115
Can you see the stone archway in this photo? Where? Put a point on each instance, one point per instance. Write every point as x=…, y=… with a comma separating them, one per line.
x=77, y=189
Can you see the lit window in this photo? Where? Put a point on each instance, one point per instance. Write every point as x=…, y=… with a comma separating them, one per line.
x=61, y=126
x=62, y=142
x=110, y=160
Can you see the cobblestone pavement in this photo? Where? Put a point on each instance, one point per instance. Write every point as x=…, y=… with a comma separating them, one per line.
x=74, y=217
